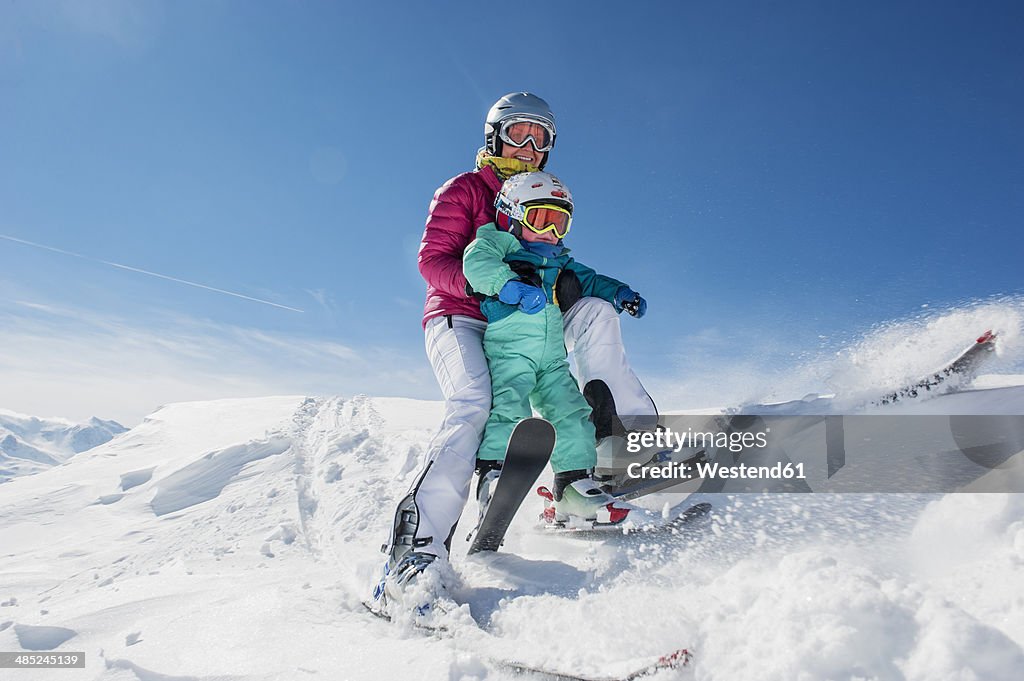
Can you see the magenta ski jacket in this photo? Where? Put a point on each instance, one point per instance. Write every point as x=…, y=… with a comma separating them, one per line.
x=460, y=206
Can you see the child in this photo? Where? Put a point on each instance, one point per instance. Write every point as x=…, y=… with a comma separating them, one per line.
x=526, y=278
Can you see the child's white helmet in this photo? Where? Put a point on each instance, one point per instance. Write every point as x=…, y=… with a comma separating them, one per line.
x=527, y=191
x=524, y=188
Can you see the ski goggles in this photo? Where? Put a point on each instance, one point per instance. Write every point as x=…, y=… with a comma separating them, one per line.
x=547, y=218
x=518, y=131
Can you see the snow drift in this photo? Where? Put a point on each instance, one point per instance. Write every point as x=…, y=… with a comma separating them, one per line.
x=238, y=539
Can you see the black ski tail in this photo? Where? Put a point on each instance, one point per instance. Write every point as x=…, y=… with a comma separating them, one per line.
x=529, y=448
x=958, y=372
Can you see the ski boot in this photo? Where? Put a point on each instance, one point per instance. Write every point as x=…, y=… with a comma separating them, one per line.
x=411, y=580
x=617, y=472
x=576, y=501
x=415, y=584
x=614, y=458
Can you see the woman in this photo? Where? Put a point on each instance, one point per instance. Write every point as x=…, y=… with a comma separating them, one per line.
x=519, y=134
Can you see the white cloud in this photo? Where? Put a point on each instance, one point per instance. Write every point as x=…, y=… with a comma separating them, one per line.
x=75, y=364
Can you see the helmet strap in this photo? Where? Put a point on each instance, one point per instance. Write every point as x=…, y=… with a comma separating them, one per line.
x=507, y=224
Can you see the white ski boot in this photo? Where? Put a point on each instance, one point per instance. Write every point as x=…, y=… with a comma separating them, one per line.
x=416, y=586
x=578, y=502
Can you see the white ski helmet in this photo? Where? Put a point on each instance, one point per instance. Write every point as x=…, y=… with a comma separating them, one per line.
x=521, y=191
x=521, y=106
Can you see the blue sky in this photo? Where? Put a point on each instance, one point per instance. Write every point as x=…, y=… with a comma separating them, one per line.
x=774, y=177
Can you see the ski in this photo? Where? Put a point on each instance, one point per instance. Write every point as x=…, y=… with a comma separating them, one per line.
x=674, y=660
x=639, y=520
x=962, y=369
x=436, y=629
x=529, y=448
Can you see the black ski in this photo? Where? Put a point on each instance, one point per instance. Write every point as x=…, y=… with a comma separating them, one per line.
x=529, y=448
x=963, y=369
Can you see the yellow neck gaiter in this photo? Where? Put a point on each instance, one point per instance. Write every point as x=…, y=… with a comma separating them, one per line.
x=504, y=167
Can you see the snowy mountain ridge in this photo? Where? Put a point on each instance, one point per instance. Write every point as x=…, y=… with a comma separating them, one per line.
x=238, y=538
x=29, y=444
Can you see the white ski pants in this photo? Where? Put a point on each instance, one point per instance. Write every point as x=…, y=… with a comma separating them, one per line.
x=454, y=345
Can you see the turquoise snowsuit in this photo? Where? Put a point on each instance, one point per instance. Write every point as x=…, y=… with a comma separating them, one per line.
x=526, y=353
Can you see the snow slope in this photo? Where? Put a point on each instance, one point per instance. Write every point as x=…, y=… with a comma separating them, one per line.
x=29, y=444
x=236, y=540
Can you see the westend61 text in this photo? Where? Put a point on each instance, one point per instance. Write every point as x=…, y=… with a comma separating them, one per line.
x=676, y=440
x=683, y=471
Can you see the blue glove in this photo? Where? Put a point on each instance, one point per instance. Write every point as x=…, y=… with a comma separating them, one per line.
x=629, y=300
x=530, y=299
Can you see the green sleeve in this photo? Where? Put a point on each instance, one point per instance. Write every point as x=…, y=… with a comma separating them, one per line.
x=484, y=260
x=594, y=284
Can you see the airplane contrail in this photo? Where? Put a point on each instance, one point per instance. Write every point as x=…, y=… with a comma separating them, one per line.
x=152, y=274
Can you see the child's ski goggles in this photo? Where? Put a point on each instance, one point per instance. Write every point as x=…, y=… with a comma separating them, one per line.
x=518, y=131
x=547, y=218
